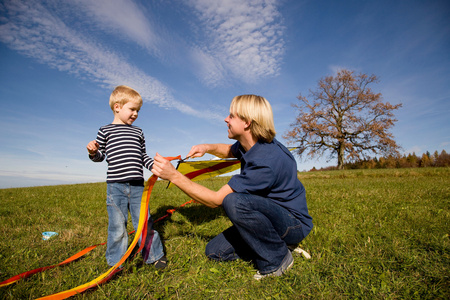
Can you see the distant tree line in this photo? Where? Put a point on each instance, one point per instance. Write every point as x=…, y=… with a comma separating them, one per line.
x=391, y=162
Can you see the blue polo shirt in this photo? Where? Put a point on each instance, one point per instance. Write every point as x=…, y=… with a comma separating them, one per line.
x=269, y=170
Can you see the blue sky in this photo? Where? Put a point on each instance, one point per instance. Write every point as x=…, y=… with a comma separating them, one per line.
x=60, y=60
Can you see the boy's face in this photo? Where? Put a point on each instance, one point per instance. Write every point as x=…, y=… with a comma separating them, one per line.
x=126, y=114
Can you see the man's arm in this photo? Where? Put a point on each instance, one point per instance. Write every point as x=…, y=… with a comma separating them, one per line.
x=165, y=170
x=219, y=150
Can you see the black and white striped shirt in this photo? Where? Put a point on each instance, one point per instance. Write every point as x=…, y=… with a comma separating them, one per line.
x=124, y=148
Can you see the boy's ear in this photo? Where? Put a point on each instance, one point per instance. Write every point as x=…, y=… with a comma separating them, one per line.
x=117, y=107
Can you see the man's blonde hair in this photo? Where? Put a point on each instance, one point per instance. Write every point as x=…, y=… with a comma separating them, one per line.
x=123, y=94
x=257, y=111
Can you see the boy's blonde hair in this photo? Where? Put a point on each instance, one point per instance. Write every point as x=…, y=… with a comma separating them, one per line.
x=123, y=94
x=256, y=110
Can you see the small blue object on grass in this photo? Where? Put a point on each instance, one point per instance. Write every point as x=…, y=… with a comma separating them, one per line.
x=48, y=234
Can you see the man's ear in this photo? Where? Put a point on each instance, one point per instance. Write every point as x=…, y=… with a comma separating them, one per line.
x=247, y=124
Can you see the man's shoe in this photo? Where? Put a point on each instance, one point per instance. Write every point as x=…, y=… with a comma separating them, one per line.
x=286, y=264
x=296, y=248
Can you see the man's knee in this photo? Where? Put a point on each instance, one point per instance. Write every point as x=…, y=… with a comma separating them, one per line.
x=230, y=199
x=231, y=204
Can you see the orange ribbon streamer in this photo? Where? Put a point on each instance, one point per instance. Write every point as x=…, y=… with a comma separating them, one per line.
x=140, y=232
x=32, y=272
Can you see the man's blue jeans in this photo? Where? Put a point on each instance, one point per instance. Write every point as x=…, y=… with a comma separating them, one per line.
x=122, y=197
x=261, y=232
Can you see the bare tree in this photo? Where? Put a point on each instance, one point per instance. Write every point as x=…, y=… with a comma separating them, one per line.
x=344, y=118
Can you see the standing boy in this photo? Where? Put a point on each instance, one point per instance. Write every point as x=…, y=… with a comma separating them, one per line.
x=123, y=146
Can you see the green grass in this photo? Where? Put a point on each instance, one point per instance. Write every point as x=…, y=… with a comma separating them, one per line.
x=379, y=234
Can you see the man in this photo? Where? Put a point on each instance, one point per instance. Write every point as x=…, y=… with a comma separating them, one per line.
x=266, y=202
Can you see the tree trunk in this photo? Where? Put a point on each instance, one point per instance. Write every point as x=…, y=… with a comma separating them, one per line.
x=340, y=155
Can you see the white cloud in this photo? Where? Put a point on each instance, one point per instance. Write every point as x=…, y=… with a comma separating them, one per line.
x=245, y=37
x=123, y=18
x=35, y=31
x=209, y=69
x=243, y=41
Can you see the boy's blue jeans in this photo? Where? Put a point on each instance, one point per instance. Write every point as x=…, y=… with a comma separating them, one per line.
x=122, y=197
x=261, y=232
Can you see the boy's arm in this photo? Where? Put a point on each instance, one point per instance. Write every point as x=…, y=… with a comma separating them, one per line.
x=94, y=153
x=147, y=161
x=92, y=147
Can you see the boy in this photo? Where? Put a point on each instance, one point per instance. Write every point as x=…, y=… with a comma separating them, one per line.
x=123, y=145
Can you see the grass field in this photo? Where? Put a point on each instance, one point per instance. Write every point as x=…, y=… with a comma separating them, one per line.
x=379, y=234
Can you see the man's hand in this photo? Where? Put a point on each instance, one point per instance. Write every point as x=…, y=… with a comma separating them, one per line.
x=197, y=151
x=163, y=168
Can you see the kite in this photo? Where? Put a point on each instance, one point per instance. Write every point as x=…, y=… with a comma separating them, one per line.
x=203, y=169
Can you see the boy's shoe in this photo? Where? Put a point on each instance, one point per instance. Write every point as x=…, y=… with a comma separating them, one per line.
x=161, y=263
x=286, y=264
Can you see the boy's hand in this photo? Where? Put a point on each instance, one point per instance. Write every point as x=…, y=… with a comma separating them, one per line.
x=92, y=147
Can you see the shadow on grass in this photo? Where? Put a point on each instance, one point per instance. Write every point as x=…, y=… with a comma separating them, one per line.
x=193, y=215
x=196, y=214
